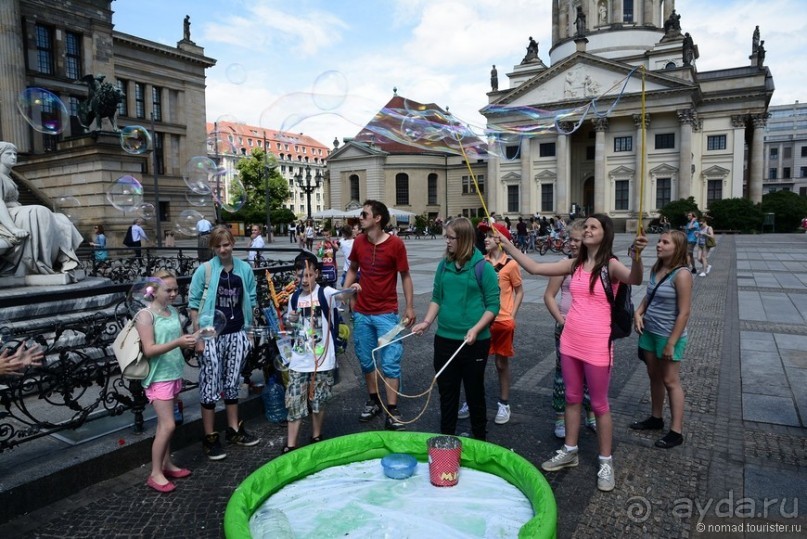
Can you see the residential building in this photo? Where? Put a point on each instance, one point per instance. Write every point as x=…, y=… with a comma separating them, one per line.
x=786, y=149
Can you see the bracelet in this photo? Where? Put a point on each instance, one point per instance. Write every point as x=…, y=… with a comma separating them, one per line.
x=632, y=251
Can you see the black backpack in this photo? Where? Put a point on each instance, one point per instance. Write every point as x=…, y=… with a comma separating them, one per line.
x=128, y=239
x=621, y=306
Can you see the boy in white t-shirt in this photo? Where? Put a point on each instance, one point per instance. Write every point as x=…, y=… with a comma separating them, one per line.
x=313, y=357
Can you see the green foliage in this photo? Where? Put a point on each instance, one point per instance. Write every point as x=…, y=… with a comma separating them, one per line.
x=282, y=216
x=422, y=221
x=789, y=208
x=258, y=172
x=676, y=211
x=735, y=214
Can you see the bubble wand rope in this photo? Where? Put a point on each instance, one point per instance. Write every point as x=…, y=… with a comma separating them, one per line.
x=428, y=391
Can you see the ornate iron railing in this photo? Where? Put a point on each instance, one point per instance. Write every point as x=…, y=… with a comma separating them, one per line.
x=80, y=381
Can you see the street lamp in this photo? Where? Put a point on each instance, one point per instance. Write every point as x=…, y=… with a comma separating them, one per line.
x=305, y=184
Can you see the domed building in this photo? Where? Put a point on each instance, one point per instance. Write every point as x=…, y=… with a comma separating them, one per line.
x=703, y=131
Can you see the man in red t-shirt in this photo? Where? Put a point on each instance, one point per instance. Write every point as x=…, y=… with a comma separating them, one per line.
x=380, y=257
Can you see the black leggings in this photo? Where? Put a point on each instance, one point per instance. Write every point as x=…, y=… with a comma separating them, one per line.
x=468, y=369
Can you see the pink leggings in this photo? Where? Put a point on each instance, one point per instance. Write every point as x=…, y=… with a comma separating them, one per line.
x=597, y=378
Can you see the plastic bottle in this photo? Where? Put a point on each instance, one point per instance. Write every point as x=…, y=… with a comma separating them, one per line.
x=274, y=396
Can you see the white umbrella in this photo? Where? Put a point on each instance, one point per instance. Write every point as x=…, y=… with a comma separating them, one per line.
x=330, y=213
x=395, y=212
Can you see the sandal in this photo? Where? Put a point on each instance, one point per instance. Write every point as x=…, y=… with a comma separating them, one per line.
x=288, y=449
x=315, y=439
x=672, y=439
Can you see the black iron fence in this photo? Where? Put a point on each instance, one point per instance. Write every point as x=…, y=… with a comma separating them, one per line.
x=80, y=380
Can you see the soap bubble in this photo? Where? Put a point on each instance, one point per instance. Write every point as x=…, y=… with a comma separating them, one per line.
x=135, y=139
x=125, y=194
x=236, y=73
x=146, y=211
x=233, y=196
x=186, y=223
x=195, y=199
x=141, y=294
x=211, y=324
x=69, y=207
x=218, y=144
x=43, y=110
x=199, y=172
x=330, y=90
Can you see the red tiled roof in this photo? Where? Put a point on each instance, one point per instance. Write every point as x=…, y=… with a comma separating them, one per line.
x=243, y=133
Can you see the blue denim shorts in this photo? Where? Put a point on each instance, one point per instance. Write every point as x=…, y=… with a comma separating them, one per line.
x=367, y=328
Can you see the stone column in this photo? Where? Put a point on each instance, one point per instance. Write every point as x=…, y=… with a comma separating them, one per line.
x=757, y=157
x=600, y=126
x=637, y=145
x=12, y=72
x=525, y=193
x=563, y=181
x=688, y=118
x=738, y=157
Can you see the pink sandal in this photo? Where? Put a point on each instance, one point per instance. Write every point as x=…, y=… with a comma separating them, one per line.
x=168, y=487
x=177, y=474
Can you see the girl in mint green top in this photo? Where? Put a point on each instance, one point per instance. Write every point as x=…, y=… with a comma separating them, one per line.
x=161, y=338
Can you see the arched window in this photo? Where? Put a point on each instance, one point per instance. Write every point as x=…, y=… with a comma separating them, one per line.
x=401, y=189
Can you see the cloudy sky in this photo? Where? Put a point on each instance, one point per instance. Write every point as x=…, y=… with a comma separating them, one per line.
x=323, y=67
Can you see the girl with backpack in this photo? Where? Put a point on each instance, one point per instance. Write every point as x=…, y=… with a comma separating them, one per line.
x=162, y=338
x=661, y=321
x=586, y=346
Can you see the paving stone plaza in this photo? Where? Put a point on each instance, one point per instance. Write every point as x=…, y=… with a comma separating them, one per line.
x=745, y=445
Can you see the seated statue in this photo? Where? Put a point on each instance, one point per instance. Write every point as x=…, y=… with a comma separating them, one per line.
x=33, y=239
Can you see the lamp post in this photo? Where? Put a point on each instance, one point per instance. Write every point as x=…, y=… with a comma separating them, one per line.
x=304, y=183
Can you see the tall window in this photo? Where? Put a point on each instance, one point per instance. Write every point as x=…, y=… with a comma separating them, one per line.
x=547, y=197
x=157, y=104
x=627, y=11
x=468, y=187
x=714, y=191
x=804, y=151
x=547, y=149
x=72, y=60
x=44, y=49
x=354, y=187
x=787, y=152
x=123, y=106
x=772, y=173
x=665, y=141
x=140, y=100
x=159, y=157
x=774, y=153
x=623, y=144
x=716, y=142
x=786, y=172
x=803, y=172
x=402, y=189
x=512, y=199
x=663, y=192
x=621, y=192
x=511, y=152
x=432, y=188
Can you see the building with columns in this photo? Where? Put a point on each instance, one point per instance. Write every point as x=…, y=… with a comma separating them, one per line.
x=786, y=149
x=703, y=131
x=52, y=45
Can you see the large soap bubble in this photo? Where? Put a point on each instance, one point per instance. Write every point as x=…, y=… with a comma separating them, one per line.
x=211, y=324
x=186, y=223
x=146, y=211
x=330, y=90
x=195, y=199
x=69, y=206
x=233, y=196
x=236, y=73
x=200, y=172
x=125, y=194
x=135, y=139
x=43, y=110
x=141, y=294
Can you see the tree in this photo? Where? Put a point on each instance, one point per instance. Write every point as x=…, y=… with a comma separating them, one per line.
x=258, y=172
x=788, y=207
x=735, y=214
x=676, y=211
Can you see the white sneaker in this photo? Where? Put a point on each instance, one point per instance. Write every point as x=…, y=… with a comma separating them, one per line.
x=562, y=459
x=702, y=274
x=464, y=413
x=708, y=269
x=605, y=477
x=560, y=429
x=503, y=415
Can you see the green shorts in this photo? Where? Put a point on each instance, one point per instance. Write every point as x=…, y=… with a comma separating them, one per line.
x=655, y=344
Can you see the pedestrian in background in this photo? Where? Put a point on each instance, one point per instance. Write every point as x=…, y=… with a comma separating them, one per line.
x=203, y=228
x=661, y=321
x=692, y=228
x=256, y=242
x=706, y=241
x=99, y=243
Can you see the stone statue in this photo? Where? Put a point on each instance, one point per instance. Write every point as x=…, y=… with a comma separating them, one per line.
x=761, y=53
x=603, y=13
x=755, y=40
x=186, y=28
x=580, y=22
x=688, y=50
x=672, y=26
x=33, y=240
x=532, y=51
x=494, y=79
x=102, y=102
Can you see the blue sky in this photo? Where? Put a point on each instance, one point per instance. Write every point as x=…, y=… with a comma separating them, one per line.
x=274, y=56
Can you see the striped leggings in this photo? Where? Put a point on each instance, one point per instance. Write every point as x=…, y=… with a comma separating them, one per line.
x=220, y=367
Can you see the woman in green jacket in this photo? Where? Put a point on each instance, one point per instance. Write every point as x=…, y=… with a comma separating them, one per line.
x=465, y=300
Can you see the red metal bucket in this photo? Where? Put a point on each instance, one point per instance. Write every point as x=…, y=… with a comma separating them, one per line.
x=444, y=460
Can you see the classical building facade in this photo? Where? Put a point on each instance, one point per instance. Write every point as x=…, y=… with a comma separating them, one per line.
x=230, y=141
x=404, y=171
x=52, y=45
x=703, y=130
x=786, y=149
